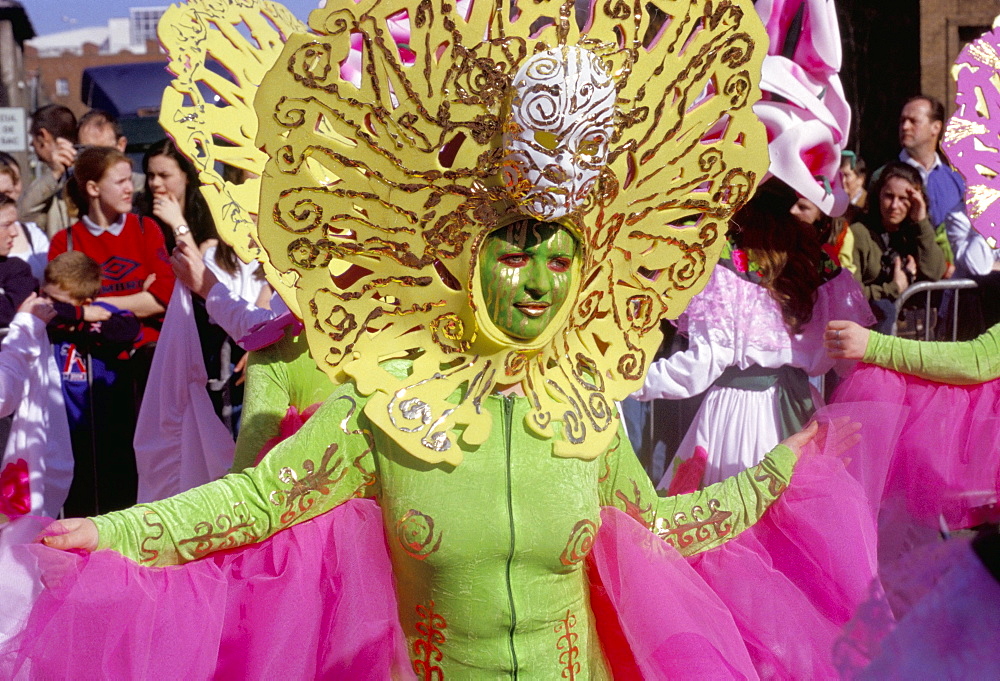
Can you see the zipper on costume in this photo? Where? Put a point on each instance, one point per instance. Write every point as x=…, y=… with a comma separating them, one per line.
x=508, y=417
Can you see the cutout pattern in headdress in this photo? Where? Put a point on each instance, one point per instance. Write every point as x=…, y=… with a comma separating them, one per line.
x=219, y=53
x=385, y=130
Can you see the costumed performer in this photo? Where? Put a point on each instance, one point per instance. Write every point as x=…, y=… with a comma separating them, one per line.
x=948, y=463
x=489, y=315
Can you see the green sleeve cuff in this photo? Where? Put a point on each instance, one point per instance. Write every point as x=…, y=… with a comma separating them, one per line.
x=781, y=460
x=965, y=363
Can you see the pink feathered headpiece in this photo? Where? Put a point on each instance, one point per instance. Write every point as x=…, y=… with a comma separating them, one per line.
x=803, y=108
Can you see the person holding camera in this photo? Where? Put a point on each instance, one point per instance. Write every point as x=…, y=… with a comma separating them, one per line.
x=894, y=242
x=53, y=137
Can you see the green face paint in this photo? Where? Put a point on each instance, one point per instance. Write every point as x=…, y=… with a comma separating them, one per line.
x=525, y=270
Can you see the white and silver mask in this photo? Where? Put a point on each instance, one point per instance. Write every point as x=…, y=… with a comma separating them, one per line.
x=556, y=140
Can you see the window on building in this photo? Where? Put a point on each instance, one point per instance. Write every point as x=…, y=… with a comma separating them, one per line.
x=62, y=87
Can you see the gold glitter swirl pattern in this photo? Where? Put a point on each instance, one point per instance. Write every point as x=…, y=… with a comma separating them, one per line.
x=302, y=491
x=225, y=532
x=580, y=542
x=147, y=553
x=415, y=534
x=633, y=506
x=569, y=652
x=382, y=183
x=701, y=526
x=775, y=486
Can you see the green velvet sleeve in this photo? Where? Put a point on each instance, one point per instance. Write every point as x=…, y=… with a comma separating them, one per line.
x=964, y=363
x=702, y=520
x=279, y=376
x=323, y=465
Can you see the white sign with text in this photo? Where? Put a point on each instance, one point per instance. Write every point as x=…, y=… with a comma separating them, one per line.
x=13, y=131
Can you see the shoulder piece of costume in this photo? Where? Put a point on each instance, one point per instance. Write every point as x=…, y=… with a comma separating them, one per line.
x=399, y=134
x=971, y=134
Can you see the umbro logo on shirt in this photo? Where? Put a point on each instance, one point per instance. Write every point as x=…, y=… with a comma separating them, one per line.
x=117, y=267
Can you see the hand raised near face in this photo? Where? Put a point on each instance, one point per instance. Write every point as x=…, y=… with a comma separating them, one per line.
x=918, y=206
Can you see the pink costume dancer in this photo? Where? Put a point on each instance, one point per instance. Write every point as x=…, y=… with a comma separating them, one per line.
x=740, y=348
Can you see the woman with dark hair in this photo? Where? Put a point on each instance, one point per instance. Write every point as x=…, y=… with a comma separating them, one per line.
x=755, y=335
x=894, y=244
x=168, y=197
x=174, y=200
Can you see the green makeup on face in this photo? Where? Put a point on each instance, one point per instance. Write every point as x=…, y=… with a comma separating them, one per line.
x=525, y=270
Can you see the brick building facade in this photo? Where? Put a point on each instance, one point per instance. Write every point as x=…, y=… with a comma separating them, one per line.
x=59, y=76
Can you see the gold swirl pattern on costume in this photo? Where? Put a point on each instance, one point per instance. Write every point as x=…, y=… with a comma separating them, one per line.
x=300, y=497
x=580, y=542
x=569, y=652
x=219, y=53
x=701, y=526
x=146, y=551
x=415, y=533
x=775, y=486
x=426, y=649
x=386, y=171
x=634, y=508
x=225, y=532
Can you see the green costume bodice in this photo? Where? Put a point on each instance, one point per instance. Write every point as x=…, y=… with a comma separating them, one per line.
x=279, y=376
x=964, y=363
x=487, y=556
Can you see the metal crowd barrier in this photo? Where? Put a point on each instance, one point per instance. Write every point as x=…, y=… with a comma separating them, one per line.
x=927, y=288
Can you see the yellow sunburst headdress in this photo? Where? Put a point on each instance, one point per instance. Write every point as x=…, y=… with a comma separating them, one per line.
x=382, y=182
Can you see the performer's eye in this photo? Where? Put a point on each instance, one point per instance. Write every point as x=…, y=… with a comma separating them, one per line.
x=514, y=259
x=560, y=264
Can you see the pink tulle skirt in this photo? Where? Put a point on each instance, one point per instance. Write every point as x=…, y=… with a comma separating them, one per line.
x=946, y=464
x=314, y=601
x=317, y=600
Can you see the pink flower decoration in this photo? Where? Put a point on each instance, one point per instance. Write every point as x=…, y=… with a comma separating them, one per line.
x=970, y=140
x=15, y=490
x=741, y=261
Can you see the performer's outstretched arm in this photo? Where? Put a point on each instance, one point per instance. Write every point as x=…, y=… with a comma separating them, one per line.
x=323, y=465
x=963, y=363
x=709, y=517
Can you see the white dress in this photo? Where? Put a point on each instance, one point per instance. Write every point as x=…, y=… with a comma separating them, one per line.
x=735, y=322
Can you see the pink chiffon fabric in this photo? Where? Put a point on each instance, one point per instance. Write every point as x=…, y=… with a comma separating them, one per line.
x=314, y=601
x=946, y=465
x=317, y=600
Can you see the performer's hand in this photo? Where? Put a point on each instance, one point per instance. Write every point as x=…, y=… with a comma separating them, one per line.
x=71, y=533
x=845, y=340
x=838, y=436
x=190, y=269
x=797, y=441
